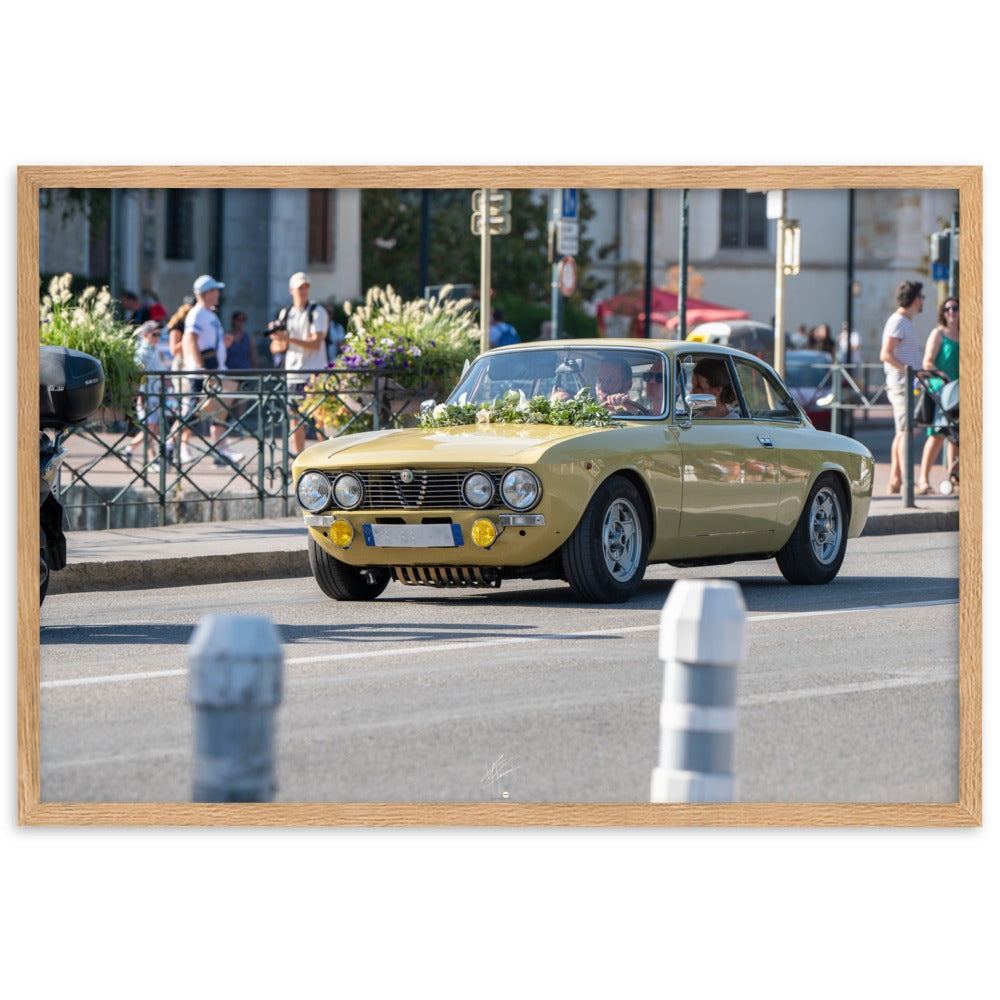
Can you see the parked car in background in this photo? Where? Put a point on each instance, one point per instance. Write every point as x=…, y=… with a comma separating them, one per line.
x=809, y=376
x=742, y=334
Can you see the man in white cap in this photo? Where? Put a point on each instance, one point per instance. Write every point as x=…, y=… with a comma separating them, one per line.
x=300, y=334
x=204, y=347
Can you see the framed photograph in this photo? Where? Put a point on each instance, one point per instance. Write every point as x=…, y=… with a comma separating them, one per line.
x=490, y=691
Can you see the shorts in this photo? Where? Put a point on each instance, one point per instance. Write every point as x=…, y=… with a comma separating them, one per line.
x=211, y=406
x=897, y=397
x=148, y=405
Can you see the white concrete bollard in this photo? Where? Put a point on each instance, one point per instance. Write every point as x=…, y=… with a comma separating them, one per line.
x=701, y=644
x=234, y=682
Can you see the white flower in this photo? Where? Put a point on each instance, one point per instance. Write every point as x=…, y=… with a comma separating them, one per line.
x=415, y=351
x=483, y=416
x=522, y=405
x=440, y=411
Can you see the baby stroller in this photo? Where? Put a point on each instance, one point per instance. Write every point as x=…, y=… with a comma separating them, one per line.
x=945, y=419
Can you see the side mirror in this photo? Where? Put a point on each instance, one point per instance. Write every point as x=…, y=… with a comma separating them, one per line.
x=697, y=402
x=701, y=401
x=426, y=406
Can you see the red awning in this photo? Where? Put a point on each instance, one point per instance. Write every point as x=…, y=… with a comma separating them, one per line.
x=665, y=310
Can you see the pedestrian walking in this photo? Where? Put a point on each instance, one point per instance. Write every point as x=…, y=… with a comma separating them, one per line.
x=899, y=349
x=501, y=332
x=821, y=340
x=941, y=359
x=300, y=333
x=241, y=355
x=241, y=351
x=204, y=348
x=147, y=354
x=131, y=306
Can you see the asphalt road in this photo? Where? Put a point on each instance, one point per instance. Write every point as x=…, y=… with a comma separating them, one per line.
x=849, y=693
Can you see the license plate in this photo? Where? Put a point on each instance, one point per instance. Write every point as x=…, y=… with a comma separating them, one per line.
x=413, y=536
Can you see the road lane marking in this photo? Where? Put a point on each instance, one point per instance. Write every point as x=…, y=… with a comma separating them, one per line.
x=484, y=643
x=836, y=690
x=111, y=678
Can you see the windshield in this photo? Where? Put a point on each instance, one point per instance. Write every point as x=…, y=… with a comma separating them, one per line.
x=629, y=383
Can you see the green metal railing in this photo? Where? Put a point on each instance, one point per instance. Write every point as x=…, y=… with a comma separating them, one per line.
x=241, y=425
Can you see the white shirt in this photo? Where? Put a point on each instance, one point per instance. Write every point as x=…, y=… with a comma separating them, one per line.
x=298, y=357
x=208, y=330
x=900, y=328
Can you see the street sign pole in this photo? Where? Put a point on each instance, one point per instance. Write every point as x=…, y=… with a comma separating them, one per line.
x=682, y=278
x=563, y=236
x=556, y=313
x=779, y=282
x=490, y=217
x=952, y=257
x=484, y=275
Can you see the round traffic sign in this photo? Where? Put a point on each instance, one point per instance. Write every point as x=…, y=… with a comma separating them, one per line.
x=567, y=276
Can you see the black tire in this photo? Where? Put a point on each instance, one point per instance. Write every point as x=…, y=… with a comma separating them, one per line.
x=343, y=582
x=816, y=548
x=604, y=560
x=43, y=574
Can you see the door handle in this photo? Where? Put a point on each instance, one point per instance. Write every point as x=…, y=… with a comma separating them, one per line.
x=765, y=441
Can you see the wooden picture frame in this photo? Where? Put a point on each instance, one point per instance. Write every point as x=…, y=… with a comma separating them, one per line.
x=967, y=811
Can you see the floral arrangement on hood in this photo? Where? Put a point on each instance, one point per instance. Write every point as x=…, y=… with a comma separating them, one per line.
x=516, y=408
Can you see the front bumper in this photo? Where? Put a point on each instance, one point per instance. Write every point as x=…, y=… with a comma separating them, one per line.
x=437, y=538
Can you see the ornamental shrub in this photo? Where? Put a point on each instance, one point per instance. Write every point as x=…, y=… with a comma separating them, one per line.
x=88, y=323
x=421, y=344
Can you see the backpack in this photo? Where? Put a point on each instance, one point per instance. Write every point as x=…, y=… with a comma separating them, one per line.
x=311, y=308
x=508, y=335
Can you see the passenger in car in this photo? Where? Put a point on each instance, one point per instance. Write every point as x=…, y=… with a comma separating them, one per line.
x=711, y=377
x=654, y=388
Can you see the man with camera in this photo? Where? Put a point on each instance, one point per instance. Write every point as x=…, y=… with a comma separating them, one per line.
x=300, y=334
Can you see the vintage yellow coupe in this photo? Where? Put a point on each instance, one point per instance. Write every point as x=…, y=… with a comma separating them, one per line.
x=585, y=461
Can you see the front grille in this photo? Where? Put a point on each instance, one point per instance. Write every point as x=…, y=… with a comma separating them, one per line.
x=431, y=489
x=447, y=576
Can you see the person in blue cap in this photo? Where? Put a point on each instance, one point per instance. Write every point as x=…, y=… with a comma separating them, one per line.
x=204, y=348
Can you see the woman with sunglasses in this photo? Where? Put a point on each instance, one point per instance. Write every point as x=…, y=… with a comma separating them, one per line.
x=940, y=358
x=653, y=380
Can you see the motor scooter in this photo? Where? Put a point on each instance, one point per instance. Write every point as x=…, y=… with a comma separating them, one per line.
x=70, y=390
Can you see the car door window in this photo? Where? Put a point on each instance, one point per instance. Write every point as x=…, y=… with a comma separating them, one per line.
x=706, y=374
x=766, y=398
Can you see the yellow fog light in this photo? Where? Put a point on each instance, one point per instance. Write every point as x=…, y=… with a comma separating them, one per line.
x=484, y=533
x=341, y=533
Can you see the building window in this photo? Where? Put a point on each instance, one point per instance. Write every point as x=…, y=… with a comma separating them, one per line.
x=180, y=225
x=744, y=219
x=322, y=218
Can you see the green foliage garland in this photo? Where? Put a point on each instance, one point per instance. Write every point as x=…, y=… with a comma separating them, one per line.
x=515, y=408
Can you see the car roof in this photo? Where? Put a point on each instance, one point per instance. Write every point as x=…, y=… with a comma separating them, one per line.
x=629, y=343
x=731, y=326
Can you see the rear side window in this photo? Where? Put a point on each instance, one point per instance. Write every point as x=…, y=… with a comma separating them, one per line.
x=765, y=397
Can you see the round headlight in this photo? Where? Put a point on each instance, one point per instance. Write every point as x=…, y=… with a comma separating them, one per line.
x=520, y=489
x=313, y=491
x=347, y=491
x=477, y=490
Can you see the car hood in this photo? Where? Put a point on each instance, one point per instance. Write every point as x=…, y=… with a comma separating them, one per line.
x=499, y=444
